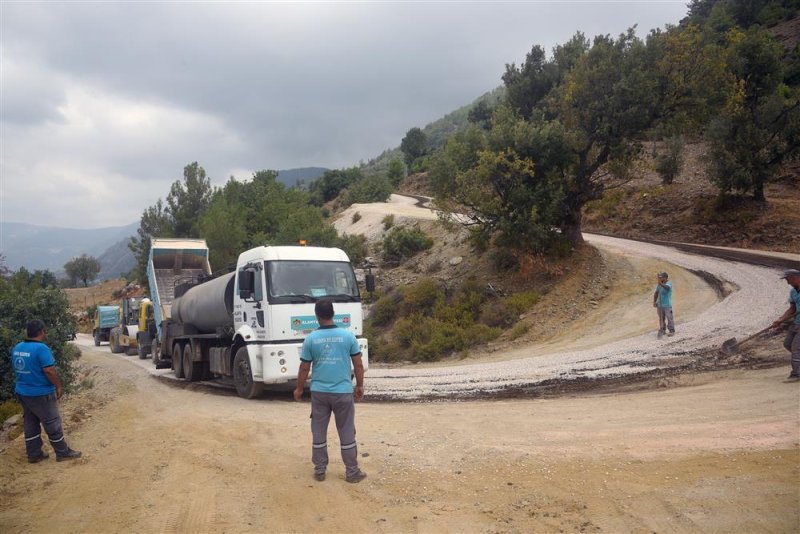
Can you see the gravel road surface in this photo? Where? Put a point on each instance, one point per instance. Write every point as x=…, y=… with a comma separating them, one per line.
x=759, y=296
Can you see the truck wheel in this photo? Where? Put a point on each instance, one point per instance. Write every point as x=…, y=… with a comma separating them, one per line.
x=193, y=371
x=113, y=341
x=243, y=376
x=96, y=339
x=177, y=360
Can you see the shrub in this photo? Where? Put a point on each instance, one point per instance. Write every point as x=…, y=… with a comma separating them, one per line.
x=499, y=313
x=524, y=300
x=388, y=221
x=355, y=246
x=422, y=296
x=385, y=309
x=669, y=164
x=368, y=189
x=356, y=217
x=403, y=243
x=20, y=301
x=520, y=329
x=504, y=259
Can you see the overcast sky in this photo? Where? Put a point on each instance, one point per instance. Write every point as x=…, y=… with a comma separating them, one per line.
x=104, y=103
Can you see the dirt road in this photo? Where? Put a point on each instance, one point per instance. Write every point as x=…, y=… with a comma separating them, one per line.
x=717, y=452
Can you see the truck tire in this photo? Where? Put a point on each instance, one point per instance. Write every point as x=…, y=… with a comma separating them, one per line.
x=192, y=370
x=96, y=338
x=177, y=360
x=113, y=341
x=246, y=387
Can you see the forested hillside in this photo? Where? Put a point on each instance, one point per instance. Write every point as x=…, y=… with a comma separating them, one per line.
x=567, y=127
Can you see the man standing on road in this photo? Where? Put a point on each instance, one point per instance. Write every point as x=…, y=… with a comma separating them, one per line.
x=662, y=301
x=792, y=341
x=38, y=389
x=329, y=351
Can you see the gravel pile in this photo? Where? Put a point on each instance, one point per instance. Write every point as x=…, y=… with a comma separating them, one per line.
x=761, y=297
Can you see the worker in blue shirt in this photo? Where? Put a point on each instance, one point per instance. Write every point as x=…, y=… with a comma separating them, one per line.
x=38, y=389
x=662, y=301
x=334, y=356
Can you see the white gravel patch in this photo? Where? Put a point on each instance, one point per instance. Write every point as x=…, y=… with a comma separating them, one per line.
x=761, y=298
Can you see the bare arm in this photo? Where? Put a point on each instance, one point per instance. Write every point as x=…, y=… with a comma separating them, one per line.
x=52, y=376
x=358, y=370
x=302, y=376
x=788, y=314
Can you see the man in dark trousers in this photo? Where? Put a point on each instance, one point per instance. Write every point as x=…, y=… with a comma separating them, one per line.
x=662, y=301
x=38, y=389
x=329, y=352
x=792, y=315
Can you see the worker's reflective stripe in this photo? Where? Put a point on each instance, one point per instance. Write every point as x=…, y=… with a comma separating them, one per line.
x=320, y=445
x=348, y=446
x=34, y=437
x=57, y=440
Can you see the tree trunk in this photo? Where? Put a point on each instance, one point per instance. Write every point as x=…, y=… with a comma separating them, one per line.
x=758, y=191
x=571, y=226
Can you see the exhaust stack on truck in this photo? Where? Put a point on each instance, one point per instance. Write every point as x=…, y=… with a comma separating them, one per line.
x=248, y=326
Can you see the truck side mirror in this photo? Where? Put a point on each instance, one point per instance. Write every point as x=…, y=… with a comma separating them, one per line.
x=246, y=284
x=369, y=279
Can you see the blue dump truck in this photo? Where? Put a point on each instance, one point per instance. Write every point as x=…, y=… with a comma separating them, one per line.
x=105, y=318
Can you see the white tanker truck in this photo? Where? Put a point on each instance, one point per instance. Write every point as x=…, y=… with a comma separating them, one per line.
x=247, y=325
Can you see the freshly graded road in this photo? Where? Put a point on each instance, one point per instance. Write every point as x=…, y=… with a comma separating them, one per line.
x=686, y=452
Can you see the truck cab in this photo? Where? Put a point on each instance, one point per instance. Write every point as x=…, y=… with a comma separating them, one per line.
x=249, y=325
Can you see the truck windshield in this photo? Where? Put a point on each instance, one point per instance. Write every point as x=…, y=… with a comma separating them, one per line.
x=309, y=281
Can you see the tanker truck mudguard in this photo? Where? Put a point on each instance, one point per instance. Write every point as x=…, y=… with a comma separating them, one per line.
x=247, y=327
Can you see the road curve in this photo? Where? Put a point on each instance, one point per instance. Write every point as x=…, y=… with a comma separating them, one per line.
x=760, y=298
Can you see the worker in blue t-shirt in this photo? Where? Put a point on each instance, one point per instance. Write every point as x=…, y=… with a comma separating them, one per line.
x=38, y=389
x=792, y=315
x=662, y=301
x=334, y=356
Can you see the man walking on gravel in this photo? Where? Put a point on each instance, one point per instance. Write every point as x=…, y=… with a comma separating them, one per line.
x=662, y=301
x=792, y=341
x=38, y=389
x=329, y=352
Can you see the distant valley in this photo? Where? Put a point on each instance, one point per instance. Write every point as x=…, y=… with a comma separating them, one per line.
x=49, y=248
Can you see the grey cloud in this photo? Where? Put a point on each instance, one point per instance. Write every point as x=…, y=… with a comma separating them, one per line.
x=135, y=91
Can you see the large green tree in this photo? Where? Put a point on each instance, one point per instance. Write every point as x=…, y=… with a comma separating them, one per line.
x=84, y=268
x=188, y=200
x=155, y=222
x=606, y=102
x=759, y=127
x=414, y=145
x=572, y=127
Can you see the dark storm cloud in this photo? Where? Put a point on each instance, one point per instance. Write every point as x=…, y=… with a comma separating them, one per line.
x=120, y=96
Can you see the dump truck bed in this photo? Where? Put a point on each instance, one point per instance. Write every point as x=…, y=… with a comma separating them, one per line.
x=171, y=262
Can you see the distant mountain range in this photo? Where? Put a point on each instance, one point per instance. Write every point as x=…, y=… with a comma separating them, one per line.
x=49, y=248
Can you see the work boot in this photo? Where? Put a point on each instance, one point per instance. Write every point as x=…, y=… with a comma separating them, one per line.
x=70, y=455
x=358, y=477
x=37, y=459
x=319, y=477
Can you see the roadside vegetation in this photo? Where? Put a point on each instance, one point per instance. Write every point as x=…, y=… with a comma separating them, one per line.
x=25, y=296
x=525, y=163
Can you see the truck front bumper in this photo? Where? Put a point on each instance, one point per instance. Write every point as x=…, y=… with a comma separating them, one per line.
x=278, y=364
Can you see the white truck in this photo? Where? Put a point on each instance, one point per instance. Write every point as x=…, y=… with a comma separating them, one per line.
x=247, y=326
